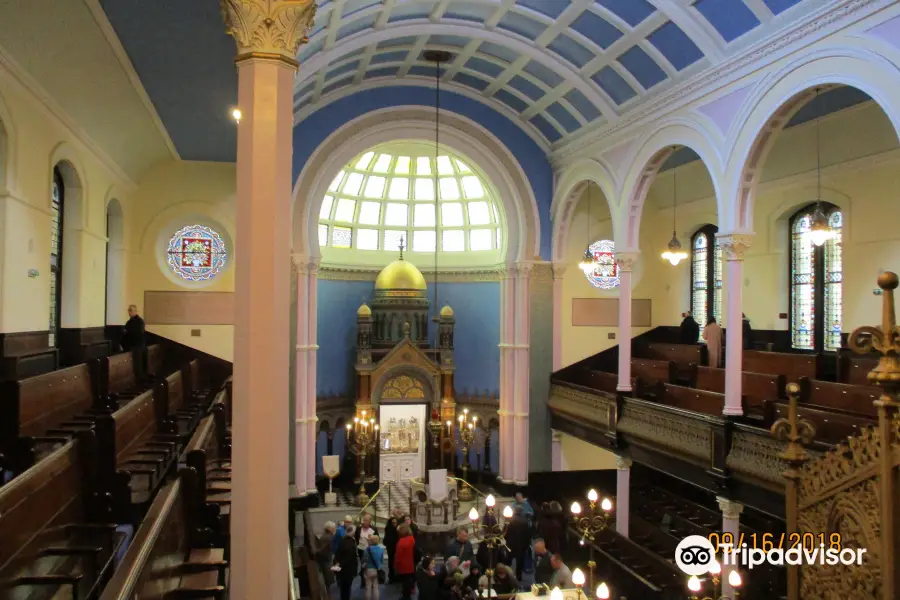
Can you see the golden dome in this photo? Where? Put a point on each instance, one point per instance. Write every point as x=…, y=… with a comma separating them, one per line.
x=400, y=275
x=364, y=311
x=447, y=311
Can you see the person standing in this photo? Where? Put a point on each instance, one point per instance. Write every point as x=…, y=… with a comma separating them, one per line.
x=346, y=560
x=405, y=561
x=427, y=580
x=134, y=340
x=390, y=539
x=518, y=538
x=712, y=333
x=373, y=563
x=325, y=553
x=460, y=546
x=689, y=332
x=365, y=530
x=748, y=332
x=543, y=570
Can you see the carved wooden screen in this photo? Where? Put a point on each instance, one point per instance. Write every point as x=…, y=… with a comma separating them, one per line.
x=403, y=387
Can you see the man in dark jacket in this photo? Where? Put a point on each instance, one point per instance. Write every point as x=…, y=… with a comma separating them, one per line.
x=690, y=330
x=460, y=546
x=747, y=331
x=134, y=340
x=543, y=570
x=518, y=538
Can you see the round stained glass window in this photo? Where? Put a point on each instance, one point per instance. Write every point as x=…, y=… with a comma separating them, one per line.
x=196, y=253
x=605, y=274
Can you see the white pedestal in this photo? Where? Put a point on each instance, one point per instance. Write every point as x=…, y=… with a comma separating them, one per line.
x=330, y=499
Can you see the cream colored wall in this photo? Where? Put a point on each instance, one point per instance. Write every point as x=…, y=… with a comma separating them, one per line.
x=861, y=174
x=581, y=456
x=170, y=196
x=37, y=140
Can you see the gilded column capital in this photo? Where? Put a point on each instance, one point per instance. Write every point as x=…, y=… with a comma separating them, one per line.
x=729, y=508
x=734, y=245
x=559, y=270
x=625, y=261
x=272, y=29
x=622, y=463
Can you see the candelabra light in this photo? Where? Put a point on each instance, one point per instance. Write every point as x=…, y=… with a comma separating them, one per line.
x=362, y=436
x=591, y=523
x=490, y=531
x=603, y=591
x=467, y=435
x=734, y=580
x=434, y=427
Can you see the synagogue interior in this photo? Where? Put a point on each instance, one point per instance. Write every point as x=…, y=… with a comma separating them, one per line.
x=449, y=299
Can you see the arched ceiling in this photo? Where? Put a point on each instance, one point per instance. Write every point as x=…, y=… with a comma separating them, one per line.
x=556, y=66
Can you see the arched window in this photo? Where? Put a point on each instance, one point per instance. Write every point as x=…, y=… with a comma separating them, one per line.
x=816, y=277
x=706, y=275
x=57, y=201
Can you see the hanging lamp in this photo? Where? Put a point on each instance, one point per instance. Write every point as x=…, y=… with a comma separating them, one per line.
x=588, y=263
x=437, y=57
x=673, y=253
x=819, y=231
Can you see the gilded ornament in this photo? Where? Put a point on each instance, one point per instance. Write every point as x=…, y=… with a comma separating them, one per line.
x=272, y=29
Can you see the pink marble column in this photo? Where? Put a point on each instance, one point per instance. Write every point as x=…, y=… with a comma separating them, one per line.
x=625, y=262
x=523, y=371
x=559, y=271
x=267, y=37
x=301, y=408
x=312, y=349
x=623, y=494
x=734, y=246
x=731, y=523
x=507, y=375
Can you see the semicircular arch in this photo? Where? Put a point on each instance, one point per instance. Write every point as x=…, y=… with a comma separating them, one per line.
x=485, y=152
x=568, y=193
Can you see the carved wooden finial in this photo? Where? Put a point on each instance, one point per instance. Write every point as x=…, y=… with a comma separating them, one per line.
x=794, y=430
x=273, y=29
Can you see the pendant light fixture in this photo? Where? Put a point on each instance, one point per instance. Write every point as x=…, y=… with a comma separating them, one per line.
x=673, y=253
x=437, y=57
x=587, y=263
x=819, y=231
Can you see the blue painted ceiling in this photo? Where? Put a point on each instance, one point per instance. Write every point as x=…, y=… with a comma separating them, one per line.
x=555, y=66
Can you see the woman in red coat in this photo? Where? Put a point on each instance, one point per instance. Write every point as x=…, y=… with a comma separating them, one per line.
x=405, y=560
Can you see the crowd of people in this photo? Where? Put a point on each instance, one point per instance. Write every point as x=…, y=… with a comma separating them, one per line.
x=531, y=545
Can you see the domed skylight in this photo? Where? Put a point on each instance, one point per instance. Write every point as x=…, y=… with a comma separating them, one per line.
x=387, y=194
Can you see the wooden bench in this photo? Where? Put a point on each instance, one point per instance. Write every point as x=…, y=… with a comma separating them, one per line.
x=212, y=495
x=167, y=558
x=156, y=360
x=702, y=401
x=758, y=389
x=855, y=369
x=135, y=441
x=857, y=399
x=645, y=373
x=182, y=411
x=55, y=538
x=831, y=426
x=30, y=408
x=792, y=366
x=595, y=380
x=680, y=354
x=117, y=374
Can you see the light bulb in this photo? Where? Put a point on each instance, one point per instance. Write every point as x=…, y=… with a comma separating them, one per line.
x=576, y=508
x=474, y=418
x=473, y=514
x=363, y=413
x=606, y=504
x=507, y=512
x=489, y=501
x=556, y=594
x=347, y=426
x=465, y=411
x=449, y=423
x=694, y=583
x=461, y=418
x=592, y=495
x=734, y=578
x=603, y=591
x=819, y=236
x=356, y=419
x=377, y=428
x=714, y=567
x=236, y=114
x=578, y=577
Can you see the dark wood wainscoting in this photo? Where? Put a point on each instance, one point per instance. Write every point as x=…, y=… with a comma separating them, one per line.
x=78, y=345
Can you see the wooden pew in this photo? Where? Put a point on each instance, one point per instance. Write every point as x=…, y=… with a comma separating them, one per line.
x=702, y=401
x=33, y=407
x=118, y=375
x=135, y=441
x=759, y=390
x=595, y=380
x=182, y=411
x=792, y=366
x=211, y=498
x=156, y=360
x=645, y=373
x=168, y=558
x=55, y=538
x=854, y=369
x=680, y=354
x=831, y=426
x=857, y=399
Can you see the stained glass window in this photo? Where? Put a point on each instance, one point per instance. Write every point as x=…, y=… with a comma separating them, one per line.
x=706, y=276
x=816, y=280
x=605, y=274
x=57, y=194
x=392, y=189
x=196, y=253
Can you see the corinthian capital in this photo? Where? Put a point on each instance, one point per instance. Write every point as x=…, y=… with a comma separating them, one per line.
x=268, y=28
x=625, y=261
x=734, y=245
